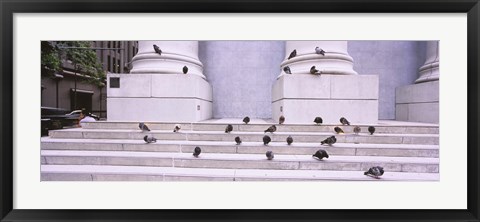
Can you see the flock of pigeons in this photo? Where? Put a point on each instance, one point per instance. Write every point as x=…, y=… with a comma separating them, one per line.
x=159, y=51
x=313, y=69
x=375, y=171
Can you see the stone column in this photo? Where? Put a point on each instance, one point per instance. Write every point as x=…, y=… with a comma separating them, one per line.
x=175, y=55
x=157, y=90
x=337, y=92
x=419, y=102
x=336, y=60
x=430, y=70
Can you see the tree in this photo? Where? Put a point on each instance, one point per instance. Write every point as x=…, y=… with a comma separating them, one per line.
x=83, y=59
x=50, y=59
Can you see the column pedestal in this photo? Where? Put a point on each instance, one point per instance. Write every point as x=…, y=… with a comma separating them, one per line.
x=420, y=102
x=157, y=90
x=337, y=92
x=303, y=97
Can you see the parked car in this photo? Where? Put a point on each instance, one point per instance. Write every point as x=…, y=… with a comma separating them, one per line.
x=76, y=114
x=52, y=118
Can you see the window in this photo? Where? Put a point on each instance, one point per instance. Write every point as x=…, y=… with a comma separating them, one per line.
x=114, y=65
x=109, y=66
x=114, y=82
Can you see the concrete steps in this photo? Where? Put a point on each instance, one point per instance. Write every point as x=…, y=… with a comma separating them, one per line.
x=316, y=137
x=110, y=151
x=346, y=149
x=136, y=173
x=241, y=127
x=238, y=161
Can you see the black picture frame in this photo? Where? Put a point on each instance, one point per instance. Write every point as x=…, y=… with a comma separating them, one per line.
x=9, y=7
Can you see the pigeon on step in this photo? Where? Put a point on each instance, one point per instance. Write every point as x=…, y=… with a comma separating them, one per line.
x=281, y=119
x=289, y=140
x=357, y=130
x=269, y=155
x=319, y=51
x=143, y=127
x=344, y=121
x=287, y=70
x=157, y=49
x=320, y=154
x=271, y=129
x=185, y=70
x=293, y=54
x=149, y=139
x=375, y=172
x=313, y=70
x=229, y=128
x=318, y=120
x=246, y=120
x=338, y=130
x=266, y=140
x=177, y=128
x=197, y=151
x=329, y=141
x=238, y=140
x=371, y=130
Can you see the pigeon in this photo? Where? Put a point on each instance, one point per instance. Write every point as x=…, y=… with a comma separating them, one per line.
x=197, y=151
x=269, y=155
x=313, y=70
x=229, y=128
x=143, y=127
x=246, y=120
x=344, y=121
x=357, y=130
x=318, y=120
x=320, y=154
x=289, y=140
x=238, y=140
x=319, y=51
x=185, y=70
x=176, y=129
x=338, y=130
x=157, y=49
x=371, y=130
x=287, y=70
x=375, y=172
x=293, y=54
x=281, y=119
x=271, y=129
x=329, y=141
x=266, y=140
x=150, y=139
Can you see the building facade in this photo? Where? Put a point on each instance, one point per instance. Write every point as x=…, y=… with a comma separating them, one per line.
x=233, y=79
x=59, y=91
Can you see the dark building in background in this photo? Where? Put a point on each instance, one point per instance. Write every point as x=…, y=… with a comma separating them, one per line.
x=59, y=91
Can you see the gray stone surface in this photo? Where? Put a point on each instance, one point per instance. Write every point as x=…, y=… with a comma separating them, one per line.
x=242, y=74
x=395, y=62
x=135, y=173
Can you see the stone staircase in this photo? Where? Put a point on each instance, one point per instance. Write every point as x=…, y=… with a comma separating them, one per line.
x=115, y=151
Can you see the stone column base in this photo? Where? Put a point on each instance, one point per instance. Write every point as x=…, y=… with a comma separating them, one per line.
x=418, y=102
x=159, y=98
x=300, y=98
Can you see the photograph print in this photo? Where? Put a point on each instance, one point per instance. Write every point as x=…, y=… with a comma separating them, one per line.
x=318, y=110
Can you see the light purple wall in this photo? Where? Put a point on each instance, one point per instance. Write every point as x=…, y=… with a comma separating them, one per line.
x=395, y=62
x=242, y=72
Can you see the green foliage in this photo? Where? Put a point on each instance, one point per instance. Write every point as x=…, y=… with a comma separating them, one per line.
x=83, y=60
x=50, y=59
